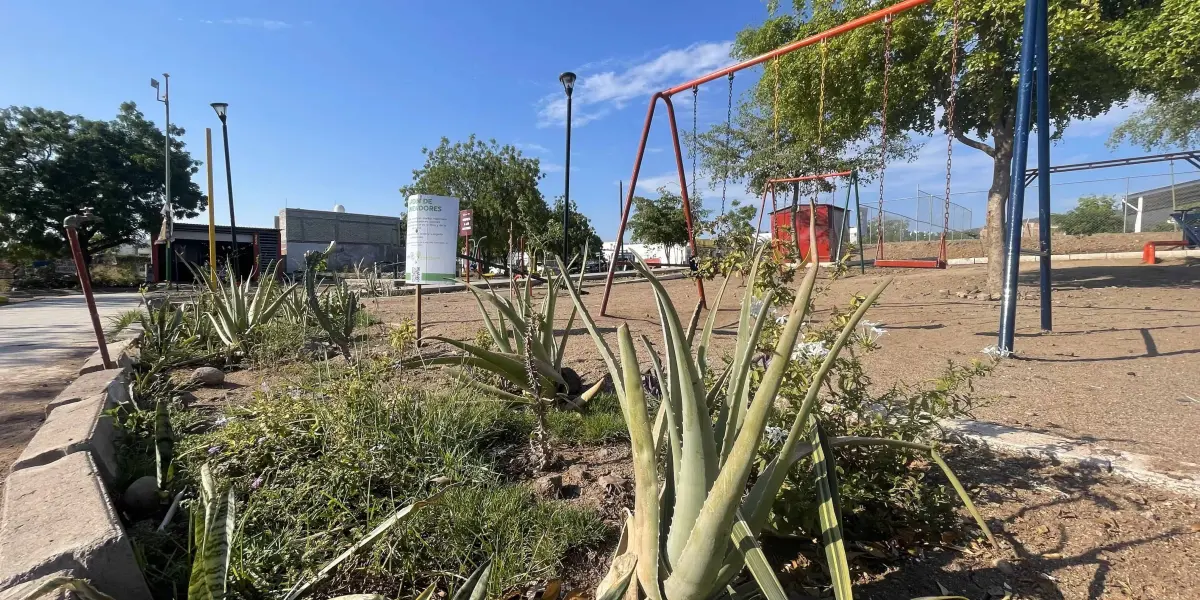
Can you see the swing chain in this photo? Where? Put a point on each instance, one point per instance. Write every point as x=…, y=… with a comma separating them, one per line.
x=950, y=102
x=887, y=70
x=728, y=133
x=820, y=114
x=695, y=138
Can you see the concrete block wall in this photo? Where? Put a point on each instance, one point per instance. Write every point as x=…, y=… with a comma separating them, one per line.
x=58, y=516
x=359, y=237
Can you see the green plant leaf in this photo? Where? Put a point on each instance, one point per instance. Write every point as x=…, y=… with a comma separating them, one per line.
x=744, y=542
x=832, y=534
x=475, y=587
x=966, y=499
x=164, y=444
x=362, y=545
x=645, y=537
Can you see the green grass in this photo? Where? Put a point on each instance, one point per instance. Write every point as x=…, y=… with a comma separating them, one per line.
x=599, y=422
x=318, y=465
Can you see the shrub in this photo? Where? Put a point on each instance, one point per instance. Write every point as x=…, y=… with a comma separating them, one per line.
x=1092, y=214
x=317, y=464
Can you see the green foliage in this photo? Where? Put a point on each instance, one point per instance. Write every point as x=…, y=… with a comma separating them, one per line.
x=1092, y=214
x=403, y=337
x=597, y=422
x=584, y=241
x=53, y=165
x=171, y=337
x=661, y=220
x=734, y=242
x=323, y=461
x=212, y=527
x=1168, y=122
x=517, y=326
x=497, y=182
x=235, y=312
x=337, y=311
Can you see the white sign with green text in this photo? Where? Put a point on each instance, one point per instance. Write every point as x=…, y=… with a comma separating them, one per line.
x=432, y=240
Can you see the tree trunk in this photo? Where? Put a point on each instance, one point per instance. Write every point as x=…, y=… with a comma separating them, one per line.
x=997, y=198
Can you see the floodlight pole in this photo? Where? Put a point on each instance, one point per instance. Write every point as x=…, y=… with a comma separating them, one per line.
x=167, y=208
x=568, y=81
x=221, y=109
x=665, y=95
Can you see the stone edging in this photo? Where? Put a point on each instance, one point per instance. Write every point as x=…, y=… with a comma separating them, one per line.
x=58, y=517
x=1177, y=476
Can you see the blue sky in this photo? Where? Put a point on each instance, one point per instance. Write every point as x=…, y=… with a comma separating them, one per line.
x=332, y=102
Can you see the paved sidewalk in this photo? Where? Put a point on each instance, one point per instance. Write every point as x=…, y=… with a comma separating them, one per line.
x=42, y=345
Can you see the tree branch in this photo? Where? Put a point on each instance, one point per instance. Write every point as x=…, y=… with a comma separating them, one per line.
x=976, y=144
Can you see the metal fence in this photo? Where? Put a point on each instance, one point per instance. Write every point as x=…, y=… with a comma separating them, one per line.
x=915, y=219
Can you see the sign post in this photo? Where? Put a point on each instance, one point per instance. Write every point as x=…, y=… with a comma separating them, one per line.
x=465, y=222
x=430, y=251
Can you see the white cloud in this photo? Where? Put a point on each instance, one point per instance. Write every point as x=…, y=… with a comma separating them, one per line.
x=532, y=147
x=596, y=95
x=552, y=167
x=268, y=24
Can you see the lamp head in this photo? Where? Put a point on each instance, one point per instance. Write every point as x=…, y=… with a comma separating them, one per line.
x=568, y=81
x=220, y=107
x=154, y=83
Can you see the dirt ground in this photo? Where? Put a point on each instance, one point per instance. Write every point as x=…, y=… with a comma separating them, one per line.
x=1118, y=368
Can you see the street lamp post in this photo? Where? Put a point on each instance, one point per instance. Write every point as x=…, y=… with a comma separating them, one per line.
x=568, y=82
x=221, y=108
x=167, y=209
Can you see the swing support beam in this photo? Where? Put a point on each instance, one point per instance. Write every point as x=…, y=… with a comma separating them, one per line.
x=666, y=95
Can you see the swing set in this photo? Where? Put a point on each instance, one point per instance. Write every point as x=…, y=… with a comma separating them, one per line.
x=886, y=15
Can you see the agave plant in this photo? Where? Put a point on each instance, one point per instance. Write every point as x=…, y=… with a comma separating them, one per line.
x=693, y=532
x=236, y=311
x=524, y=340
x=339, y=314
x=212, y=526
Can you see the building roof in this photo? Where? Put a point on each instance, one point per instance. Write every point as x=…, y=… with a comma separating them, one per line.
x=1159, y=203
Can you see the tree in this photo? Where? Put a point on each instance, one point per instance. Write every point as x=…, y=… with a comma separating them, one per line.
x=53, y=165
x=579, y=227
x=1100, y=54
x=1168, y=122
x=497, y=182
x=660, y=221
x=1092, y=214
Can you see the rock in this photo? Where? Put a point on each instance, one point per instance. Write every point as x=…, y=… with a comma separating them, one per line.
x=993, y=296
x=961, y=294
x=141, y=497
x=548, y=486
x=613, y=484
x=578, y=473
x=186, y=399
x=574, y=383
x=981, y=296
x=210, y=376
x=943, y=292
x=1003, y=566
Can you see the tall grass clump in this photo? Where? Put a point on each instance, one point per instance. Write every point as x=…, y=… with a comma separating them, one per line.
x=318, y=464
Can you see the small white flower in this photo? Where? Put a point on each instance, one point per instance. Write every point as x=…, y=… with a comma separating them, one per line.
x=872, y=331
x=809, y=350
x=775, y=436
x=221, y=422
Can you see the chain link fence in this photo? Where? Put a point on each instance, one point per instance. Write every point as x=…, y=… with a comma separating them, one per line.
x=1098, y=214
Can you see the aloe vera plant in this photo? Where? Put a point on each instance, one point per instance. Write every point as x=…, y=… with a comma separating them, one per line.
x=338, y=324
x=236, y=311
x=522, y=337
x=692, y=533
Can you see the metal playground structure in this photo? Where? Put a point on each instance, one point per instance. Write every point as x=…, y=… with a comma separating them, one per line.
x=1033, y=66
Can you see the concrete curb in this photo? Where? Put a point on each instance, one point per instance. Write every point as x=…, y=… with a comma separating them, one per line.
x=1182, y=477
x=982, y=260
x=58, y=516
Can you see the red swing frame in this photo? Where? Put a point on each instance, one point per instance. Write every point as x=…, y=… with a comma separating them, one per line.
x=666, y=95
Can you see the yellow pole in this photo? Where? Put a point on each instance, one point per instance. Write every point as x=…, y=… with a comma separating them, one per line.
x=212, y=223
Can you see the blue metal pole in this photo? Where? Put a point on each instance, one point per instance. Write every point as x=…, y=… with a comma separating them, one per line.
x=1043, y=128
x=1016, y=189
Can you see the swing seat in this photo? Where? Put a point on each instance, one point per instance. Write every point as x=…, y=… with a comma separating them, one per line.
x=911, y=263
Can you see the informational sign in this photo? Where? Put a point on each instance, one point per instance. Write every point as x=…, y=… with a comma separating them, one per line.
x=431, y=246
x=65, y=266
x=464, y=222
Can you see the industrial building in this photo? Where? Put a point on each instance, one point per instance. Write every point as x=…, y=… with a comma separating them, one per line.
x=360, y=238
